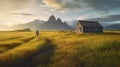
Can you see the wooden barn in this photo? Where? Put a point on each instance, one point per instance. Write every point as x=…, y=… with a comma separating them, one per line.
x=88, y=27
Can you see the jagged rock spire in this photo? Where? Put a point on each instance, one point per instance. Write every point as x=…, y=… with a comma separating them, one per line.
x=65, y=22
x=59, y=20
x=52, y=18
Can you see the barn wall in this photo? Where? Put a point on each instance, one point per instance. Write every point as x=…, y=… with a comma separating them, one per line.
x=78, y=30
x=92, y=29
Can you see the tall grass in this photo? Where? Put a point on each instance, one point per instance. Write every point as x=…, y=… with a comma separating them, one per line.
x=9, y=40
x=21, y=53
x=63, y=49
x=85, y=50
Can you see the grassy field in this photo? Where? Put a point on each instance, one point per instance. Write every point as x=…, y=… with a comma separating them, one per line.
x=60, y=49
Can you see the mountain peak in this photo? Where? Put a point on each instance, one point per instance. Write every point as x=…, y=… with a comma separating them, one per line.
x=59, y=20
x=65, y=22
x=52, y=18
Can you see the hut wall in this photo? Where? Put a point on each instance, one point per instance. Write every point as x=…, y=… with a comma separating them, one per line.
x=92, y=30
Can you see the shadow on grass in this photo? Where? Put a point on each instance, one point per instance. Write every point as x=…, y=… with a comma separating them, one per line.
x=111, y=33
x=9, y=46
x=41, y=58
x=44, y=57
x=13, y=45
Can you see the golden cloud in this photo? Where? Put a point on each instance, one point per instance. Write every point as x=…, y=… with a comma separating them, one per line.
x=52, y=3
x=7, y=5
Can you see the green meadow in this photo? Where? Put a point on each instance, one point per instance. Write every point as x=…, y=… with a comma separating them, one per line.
x=60, y=49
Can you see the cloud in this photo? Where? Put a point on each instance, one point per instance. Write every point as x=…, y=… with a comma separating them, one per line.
x=61, y=4
x=24, y=14
x=84, y=17
x=109, y=18
x=14, y=19
x=52, y=3
x=8, y=5
x=99, y=5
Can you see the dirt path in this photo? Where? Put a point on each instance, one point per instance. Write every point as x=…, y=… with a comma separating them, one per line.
x=42, y=57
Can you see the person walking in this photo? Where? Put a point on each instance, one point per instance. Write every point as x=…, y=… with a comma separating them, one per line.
x=37, y=33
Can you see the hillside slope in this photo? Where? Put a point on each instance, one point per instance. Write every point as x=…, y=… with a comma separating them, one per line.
x=51, y=24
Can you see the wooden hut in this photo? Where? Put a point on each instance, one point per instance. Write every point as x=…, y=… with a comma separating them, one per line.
x=88, y=27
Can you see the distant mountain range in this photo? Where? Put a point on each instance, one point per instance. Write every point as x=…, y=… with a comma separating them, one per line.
x=56, y=24
x=51, y=24
x=33, y=25
x=112, y=27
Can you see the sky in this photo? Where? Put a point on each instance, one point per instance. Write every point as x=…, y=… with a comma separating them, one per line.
x=13, y=12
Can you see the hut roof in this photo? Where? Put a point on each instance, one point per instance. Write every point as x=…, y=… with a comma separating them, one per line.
x=90, y=23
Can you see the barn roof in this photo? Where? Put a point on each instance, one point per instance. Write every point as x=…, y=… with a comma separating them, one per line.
x=90, y=23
